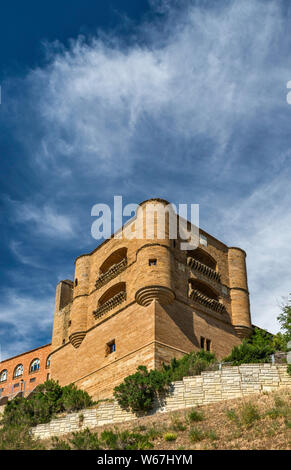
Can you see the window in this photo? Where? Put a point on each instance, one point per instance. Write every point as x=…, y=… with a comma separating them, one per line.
x=203, y=240
x=32, y=380
x=3, y=375
x=47, y=376
x=34, y=366
x=110, y=347
x=48, y=361
x=202, y=342
x=76, y=282
x=18, y=371
x=152, y=262
x=205, y=344
x=208, y=345
x=16, y=385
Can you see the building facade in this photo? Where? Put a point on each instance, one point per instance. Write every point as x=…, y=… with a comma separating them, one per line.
x=20, y=374
x=144, y=301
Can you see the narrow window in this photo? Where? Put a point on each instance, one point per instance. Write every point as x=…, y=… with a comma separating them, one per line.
x=152, y=262
x=76, y=282
x=64, y=341
x=203, y=240
x=47, y=376
x=208, y=345
x=110, y=347
x=202, y=342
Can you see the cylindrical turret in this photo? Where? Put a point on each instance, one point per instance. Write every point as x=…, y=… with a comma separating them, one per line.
x=154, y=257
x=79, y=308
x=240, y=305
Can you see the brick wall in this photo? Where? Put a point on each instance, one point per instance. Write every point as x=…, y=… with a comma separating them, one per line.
x=28, y=380
x=209, y=387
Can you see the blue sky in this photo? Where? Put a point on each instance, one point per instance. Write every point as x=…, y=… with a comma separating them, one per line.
x=180, y=100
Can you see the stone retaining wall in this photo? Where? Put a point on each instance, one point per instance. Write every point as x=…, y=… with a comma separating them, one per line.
x=209, y=387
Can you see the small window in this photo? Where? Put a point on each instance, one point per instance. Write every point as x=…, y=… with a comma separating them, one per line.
x=70, y=322
x=152, y=262
x=18, y=371
x=202, y=342
x=203, y=240
x=64, y=341
x=16, y=385
x=3, y=375
x=32, y=380
x=48, y=361
x=110, y=347
x=76, y=282
x=34, y=366
x=47, y=376
x=208, y=345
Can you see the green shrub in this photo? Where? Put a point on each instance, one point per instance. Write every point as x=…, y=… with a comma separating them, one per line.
x=212, y=435
x=59, y=444
x=249, y=414
x=18, y=438
x=138, y=391
x=176, y=424
x=85, y=440
x=289, y=369
x=47, y=400
x=195, y=416
x=196, y=435
x=170, y=436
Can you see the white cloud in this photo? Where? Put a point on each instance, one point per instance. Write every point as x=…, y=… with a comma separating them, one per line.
x=43, y=220
x=26, y=318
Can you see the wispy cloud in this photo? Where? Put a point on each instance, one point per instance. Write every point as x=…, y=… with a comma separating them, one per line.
x=25, y=321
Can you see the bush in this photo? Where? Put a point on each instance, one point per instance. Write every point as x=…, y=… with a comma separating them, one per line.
x=139, y=391
x=249, y=414
x=48, y=399
x=195, y=416
x=170, y=436
x=195, y=435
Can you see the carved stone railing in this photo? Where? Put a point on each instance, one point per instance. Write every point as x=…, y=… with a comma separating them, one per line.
x=203, y=269
x=111, y=273
x=110, y=304
x=203, y=299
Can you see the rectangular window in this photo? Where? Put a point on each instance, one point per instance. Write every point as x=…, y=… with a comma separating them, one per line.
x=203, y=240
x=16, y=385
x=208, y=345
x=110, y=347
x=152, y=262
x=32, y=380
x=202, y=342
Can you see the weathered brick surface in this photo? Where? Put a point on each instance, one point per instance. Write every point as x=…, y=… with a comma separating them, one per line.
x=209, y=387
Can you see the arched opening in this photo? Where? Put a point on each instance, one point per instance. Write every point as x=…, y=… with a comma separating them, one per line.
x=48, y=361
x=115, y=258
x=18, y=371
x=34, y=366
x=3, y=375
x=112, y=292
x=203, y=289
x=114, y=296
x=203, y=257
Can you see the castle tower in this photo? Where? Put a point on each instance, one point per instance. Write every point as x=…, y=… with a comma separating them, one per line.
x=140, y=298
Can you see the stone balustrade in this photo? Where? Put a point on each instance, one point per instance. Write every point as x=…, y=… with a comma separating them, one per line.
x=110, y=304
x=203, y=269
x=111, y=273
x=203, y=299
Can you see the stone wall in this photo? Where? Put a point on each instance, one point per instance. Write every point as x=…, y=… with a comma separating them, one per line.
x=209, y=387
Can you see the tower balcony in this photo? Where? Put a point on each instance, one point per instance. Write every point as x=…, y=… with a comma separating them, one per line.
x=110, y=304
x=112, y=272
x=203, y=269
x=203, y=299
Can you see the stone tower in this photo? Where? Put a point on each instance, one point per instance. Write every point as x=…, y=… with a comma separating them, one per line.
x=144, y=300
